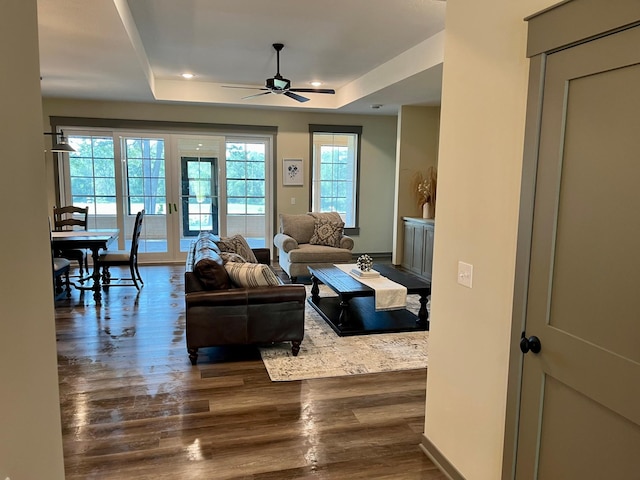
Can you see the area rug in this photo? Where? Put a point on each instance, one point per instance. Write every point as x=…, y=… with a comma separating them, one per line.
x=325, y=354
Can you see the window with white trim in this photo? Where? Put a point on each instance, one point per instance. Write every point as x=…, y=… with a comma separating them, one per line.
x=91, y=176
x=335, y=162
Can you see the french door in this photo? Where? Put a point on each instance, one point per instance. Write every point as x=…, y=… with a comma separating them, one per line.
x=145, y=180
x=186, y=183
x=199, y=195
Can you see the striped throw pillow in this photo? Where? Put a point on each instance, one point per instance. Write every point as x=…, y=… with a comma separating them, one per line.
x=251, y=275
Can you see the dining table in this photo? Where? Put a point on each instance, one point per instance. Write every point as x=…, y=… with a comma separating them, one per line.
x=94, y=240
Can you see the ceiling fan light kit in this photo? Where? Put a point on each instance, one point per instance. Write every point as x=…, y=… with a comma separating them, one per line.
x=282, y=86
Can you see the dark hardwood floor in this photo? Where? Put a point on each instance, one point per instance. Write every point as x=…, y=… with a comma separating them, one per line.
x=133, y=407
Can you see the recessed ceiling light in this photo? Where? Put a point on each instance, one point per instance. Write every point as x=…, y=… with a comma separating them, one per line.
x=188, y=75
x=316, y=84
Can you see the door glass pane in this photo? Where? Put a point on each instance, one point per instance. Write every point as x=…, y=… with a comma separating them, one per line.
x=198, y=160
x=199, y=195
x=246, y=191
x=146, y=189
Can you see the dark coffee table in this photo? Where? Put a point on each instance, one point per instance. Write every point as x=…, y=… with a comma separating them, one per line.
x=353, y=311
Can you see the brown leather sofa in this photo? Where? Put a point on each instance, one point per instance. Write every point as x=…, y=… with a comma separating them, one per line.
x=221, y=313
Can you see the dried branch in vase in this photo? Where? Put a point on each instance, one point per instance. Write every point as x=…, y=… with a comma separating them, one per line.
x=425, y=186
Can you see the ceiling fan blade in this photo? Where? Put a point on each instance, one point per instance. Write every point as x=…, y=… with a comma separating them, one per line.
x=246, y=88
x=256, y=94
x=313, y=90
x=299, y=98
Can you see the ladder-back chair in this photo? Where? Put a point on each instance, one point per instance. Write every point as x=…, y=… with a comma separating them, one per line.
x=60, y=268
x=122, y=258
x=72, y=218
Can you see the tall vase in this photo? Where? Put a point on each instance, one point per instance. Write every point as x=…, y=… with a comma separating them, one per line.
x=428, y=210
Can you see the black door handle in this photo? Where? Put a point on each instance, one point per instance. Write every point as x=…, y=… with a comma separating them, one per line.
x=532, y=343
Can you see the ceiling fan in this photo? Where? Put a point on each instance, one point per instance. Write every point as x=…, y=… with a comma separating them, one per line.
x=282, y=86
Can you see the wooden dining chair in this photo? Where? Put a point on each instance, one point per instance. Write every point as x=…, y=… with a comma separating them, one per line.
x=60, y=268
x=111, y=258
x=70, y=218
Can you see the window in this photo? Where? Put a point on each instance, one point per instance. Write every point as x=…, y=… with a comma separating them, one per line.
x=92, y=180
x=246, y=178
x=335, y=163
x=145, y=175
x=186, y=181
x=247, y=193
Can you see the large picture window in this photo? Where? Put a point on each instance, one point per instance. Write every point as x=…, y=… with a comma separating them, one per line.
x=335, y=159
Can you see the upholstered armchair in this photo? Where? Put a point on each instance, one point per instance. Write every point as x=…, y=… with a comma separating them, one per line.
x=309, y=240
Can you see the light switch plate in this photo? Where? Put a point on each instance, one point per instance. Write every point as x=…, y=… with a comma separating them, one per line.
x=465, y=274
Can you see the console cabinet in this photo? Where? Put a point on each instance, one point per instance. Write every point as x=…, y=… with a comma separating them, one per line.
x=418, y=246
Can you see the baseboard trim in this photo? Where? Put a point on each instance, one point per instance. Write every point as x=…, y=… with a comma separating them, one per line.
x=374, y=256
x=431, y=451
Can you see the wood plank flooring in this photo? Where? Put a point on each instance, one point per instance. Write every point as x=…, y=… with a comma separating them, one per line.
x=133, y=407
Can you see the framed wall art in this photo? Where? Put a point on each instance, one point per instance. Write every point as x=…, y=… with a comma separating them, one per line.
x=292, y=173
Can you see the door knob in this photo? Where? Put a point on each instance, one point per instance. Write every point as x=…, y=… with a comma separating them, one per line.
x=532, y=343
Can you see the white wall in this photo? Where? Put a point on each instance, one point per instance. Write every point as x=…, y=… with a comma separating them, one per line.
x=30, y=432
x=479, y=167
x=377, y=152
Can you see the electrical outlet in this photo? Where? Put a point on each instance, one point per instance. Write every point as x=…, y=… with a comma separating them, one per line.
x=293, y=200
x=465, y=274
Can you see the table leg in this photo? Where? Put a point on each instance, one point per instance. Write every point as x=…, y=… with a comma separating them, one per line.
x=344, y=311
x=96, y=287
x=315, y=290
x=423, y=314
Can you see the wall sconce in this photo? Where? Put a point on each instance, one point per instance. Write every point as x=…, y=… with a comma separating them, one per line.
x=62, y=146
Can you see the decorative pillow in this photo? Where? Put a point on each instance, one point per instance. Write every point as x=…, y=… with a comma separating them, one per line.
x=208, y=234
x=204, y=245
x=327, y=232
x=237, y=244
x=251, y=275
x=232, y=257
x=208, y=267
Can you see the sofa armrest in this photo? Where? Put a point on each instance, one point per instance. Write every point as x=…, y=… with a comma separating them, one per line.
x=246, y=296
x=346, y=242
x=284, y=242
x=279, y=294
x=227, y=297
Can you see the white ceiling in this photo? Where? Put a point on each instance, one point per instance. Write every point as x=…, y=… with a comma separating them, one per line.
x=370, y=51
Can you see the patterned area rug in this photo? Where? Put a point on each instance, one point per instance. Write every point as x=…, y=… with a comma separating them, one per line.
x=325, y=354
